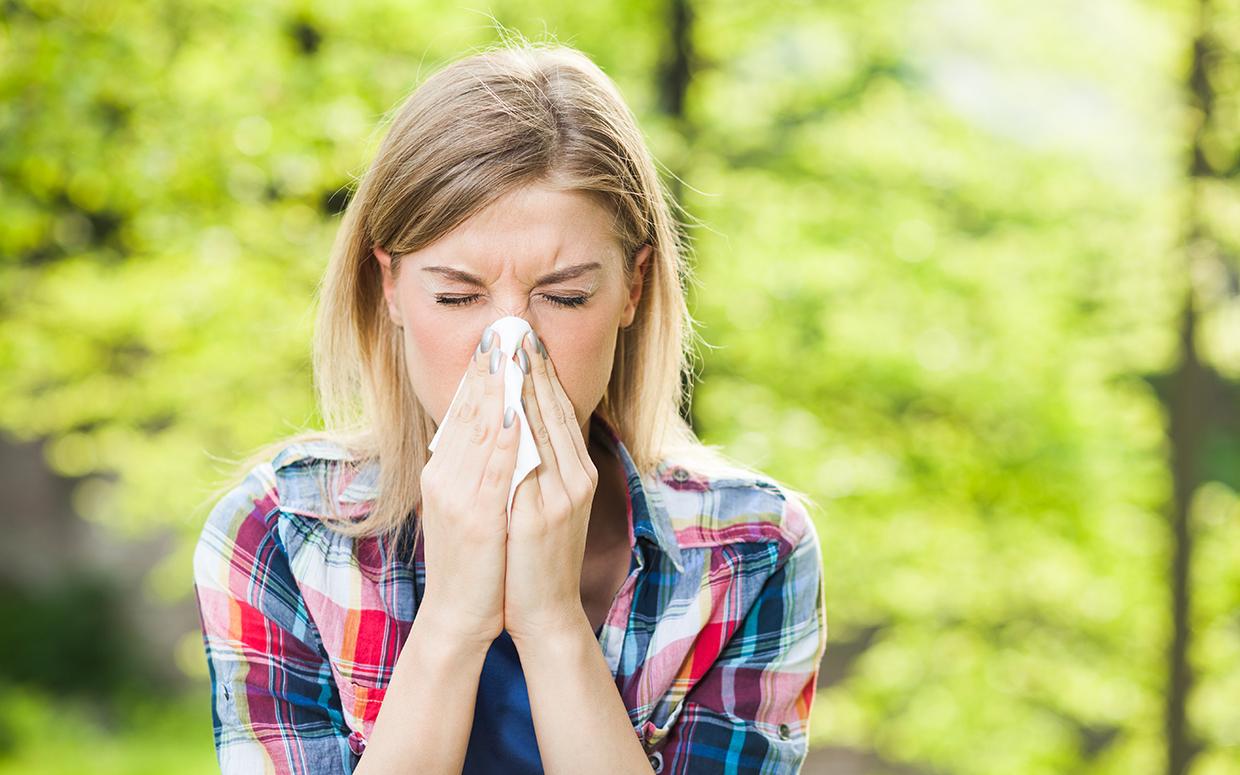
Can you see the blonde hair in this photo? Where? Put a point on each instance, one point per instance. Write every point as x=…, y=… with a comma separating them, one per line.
x=509, y=115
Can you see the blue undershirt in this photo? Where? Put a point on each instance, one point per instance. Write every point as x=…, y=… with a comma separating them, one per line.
x=502, y=739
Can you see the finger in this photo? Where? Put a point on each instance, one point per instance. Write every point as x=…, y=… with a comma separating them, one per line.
x=583, y=453
x=553, y=416
x=562, y=418
x=548, y=470
x=476, y=418
x=462, y=409
x=497, y=478
x=528, y=497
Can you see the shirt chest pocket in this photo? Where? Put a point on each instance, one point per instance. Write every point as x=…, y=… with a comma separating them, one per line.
x=360, y=703
x=661, y=721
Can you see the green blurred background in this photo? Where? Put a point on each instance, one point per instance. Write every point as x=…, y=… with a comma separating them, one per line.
x=969, y=265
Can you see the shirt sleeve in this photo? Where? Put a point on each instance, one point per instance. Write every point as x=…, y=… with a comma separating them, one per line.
x=273, y=700
x=749, y=713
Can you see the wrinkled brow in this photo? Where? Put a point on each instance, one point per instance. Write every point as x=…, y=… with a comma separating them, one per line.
x=559, y=275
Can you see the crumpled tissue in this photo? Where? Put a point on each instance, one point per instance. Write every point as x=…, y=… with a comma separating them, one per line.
x=509, y=330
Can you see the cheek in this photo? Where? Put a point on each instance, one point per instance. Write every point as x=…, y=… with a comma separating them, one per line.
x=437, y=353
x=582, y=357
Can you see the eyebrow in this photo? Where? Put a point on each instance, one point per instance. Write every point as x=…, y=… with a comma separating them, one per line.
x=559, y=275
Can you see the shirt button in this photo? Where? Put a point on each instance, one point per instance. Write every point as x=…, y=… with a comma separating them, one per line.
x=656, y=761
x=783, y=731
x=680, y=474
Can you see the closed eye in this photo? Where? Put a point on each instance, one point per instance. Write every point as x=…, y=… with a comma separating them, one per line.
x=560, y=301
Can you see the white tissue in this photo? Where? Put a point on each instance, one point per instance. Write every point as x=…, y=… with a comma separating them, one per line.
x=509, y=331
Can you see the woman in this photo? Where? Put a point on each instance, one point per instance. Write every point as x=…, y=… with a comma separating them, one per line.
x=653, y=606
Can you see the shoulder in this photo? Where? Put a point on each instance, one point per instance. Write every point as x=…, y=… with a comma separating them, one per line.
x=248, y=580
x=240, y=522
x=276, y=505
x=321, y=479
x=240, y=560
x=751, y=560
x=718, y=508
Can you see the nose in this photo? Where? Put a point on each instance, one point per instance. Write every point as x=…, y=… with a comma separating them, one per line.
x=517, y=306
x=514, y=311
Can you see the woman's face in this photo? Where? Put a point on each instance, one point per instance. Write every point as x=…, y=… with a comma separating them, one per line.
x=501, y=262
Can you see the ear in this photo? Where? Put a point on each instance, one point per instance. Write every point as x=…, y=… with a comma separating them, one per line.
x=635, y=291
x=389, y=284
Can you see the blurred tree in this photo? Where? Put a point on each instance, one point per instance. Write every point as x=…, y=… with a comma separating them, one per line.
x=1202, y=403
x=938, y=245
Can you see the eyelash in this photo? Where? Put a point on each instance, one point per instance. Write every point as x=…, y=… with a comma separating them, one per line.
x=559, y=301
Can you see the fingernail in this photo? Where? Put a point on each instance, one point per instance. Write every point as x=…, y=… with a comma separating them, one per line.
x=542, y=350
x=488, y=336
x=537, y=343
x=509, y=415
x=495, y=359
x=523, y=360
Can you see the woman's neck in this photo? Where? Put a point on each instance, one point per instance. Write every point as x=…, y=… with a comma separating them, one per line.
x=609, y=512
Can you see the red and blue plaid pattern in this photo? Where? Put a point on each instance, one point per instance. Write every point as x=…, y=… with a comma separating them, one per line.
x=714, y=639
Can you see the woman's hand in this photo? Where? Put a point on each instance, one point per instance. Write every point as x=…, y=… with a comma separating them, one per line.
x=550, y=510
x=464, y=495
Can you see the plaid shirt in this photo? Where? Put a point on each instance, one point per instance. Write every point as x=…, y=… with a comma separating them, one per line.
x=714, y=638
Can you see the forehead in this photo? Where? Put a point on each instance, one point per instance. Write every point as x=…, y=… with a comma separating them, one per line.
x=531, y=226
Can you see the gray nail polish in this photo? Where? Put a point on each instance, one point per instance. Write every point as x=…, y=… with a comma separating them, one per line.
x=534, y=338
x=495, y=360
x=524, y=360
x=509, y=416
x=488, y=337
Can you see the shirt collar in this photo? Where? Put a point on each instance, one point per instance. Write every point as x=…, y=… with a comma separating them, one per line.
x=303, y=479
x=650, y=517
x=299, y=493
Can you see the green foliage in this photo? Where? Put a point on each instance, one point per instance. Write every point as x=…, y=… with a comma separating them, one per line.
x=43, y=733
x=70, y=638
x=941, y=255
